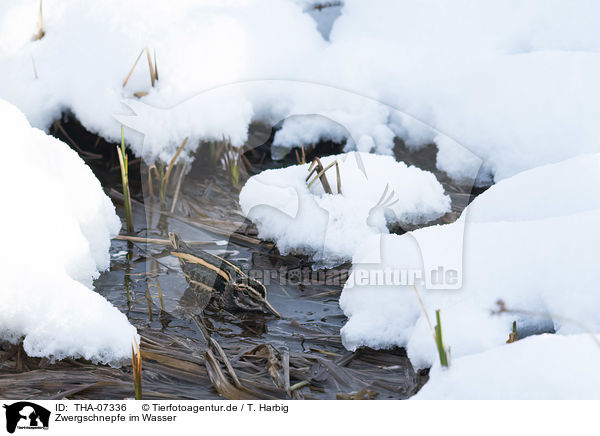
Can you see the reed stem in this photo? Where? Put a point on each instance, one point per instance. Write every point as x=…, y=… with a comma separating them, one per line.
x=439, y=341
x=124, y=164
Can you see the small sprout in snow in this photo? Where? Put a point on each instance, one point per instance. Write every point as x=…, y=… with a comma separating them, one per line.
x=439, y=341
x=136, y=363
x=513, y=336
x=123, y=163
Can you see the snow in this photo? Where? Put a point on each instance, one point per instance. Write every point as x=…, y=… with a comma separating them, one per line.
x=330, y=227
x=513, y=82
x=530, y=240
x=88, y=50
x=59, y=224
x=544, y=367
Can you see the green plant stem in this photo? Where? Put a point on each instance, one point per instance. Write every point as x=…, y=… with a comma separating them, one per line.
x=124, y=164
x=439, y=341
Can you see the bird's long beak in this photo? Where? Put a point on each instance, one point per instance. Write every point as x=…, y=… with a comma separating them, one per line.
x=271, y=309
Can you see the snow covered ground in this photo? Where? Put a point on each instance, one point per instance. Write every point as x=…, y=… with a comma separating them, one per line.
x=508, y=84
x=531, y=241
x=514, y=82
x=544, y=367
x=377, y=191
x=58, y=224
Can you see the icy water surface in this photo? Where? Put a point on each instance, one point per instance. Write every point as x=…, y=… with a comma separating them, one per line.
x=307, y=333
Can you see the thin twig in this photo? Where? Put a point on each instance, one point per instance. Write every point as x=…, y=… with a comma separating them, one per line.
x=132, y=68
x=424, y=311
x=155, y=67
x=339, y=178
x=157, y=241
x=151, y=67
x=58, y=125
x=149, y=303
x=298, y=385
x=178, y=186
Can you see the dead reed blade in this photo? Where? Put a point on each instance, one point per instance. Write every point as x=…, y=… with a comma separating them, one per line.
x=155, y=67
x=136, y=364
x=149, y=302
x=58, y=126
x=220, y=382
x=164, y=177
x=40, y=26
x=274, y=364
x=514, y=335
x=150, y=187
x=338, y=177
x=228, y=365
x=160, y=296
x=152, y=67
x=157, y=241
x=317, y=167
x=213, y=343
x=178, y=186
x=299, y=385
x=303, y=160
x=153, y=76
x=217, y=150
x=132, y=68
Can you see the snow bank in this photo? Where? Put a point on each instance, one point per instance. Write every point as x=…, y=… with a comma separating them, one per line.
x=530, y=240
x=545, y=367
x=376, y=191
x=514, y=82
x=59, y=223
x=88, y=50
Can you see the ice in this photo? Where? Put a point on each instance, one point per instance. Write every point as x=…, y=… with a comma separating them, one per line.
x=530, y=240
x=331, y=227
x=544, y=367
x=58, y=224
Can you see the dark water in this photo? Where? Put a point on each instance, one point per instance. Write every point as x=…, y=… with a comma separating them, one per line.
x=309, y=327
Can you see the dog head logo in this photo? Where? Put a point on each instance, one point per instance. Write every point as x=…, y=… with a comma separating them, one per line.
x=26, y=415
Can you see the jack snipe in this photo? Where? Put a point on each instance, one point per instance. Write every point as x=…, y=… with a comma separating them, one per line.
x=220, y=281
